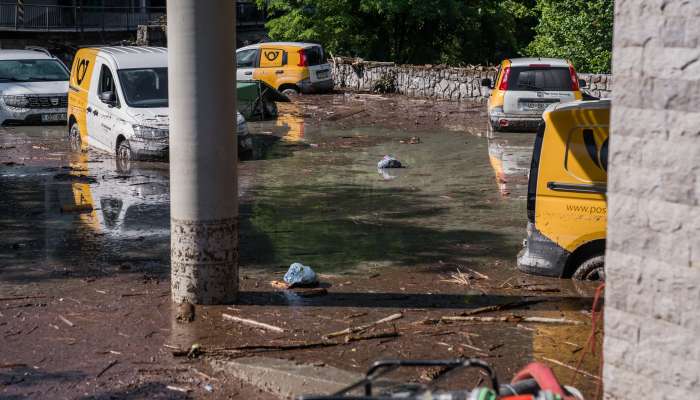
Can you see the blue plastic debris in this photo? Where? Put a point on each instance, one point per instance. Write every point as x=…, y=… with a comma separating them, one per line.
x=389, y=162
x=300, y=275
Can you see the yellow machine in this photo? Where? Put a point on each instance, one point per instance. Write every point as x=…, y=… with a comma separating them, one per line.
x=289, y=67
x=566, y=201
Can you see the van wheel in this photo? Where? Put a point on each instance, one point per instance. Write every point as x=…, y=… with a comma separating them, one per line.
x=74, y=139
x=591, y=270
x=124, y=156
x=290, y=91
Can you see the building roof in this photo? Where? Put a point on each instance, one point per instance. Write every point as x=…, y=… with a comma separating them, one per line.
x=137, y=57
x=23, y=55
x=524, y=62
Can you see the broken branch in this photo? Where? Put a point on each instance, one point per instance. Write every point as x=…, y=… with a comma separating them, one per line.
x=511, y=318
x=362, y=328
x=253, y=323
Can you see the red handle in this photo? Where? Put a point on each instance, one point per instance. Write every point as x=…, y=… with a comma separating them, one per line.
x=544, y=377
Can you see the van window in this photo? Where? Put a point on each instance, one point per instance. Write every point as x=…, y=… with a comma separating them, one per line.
x=246, y=58
x=315, y=55
x=529, y=79
x=145, y=87
x=587, y=155
x=106, y=81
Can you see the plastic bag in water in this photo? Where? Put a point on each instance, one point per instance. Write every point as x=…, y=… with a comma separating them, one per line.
x=300, y=275
x=389, y=162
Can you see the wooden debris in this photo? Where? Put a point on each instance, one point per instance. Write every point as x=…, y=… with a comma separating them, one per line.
x=22, y=298
x=580, y=371
x=279, y=285
x=252, y=323
x=362, y=328
x=511, y=318
x=177, y=389
x=110, y=365
x=499, y=307
x=380, y=335
x=66, y=321
x=342, y=115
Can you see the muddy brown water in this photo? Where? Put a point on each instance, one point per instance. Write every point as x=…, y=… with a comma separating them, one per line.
x=88, y=242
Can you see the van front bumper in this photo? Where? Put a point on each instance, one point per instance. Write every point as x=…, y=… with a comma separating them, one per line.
x=540, y=255
x=515, y=122
x=149, y=149
x=308, y=87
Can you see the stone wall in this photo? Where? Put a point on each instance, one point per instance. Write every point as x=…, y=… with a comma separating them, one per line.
x=652, y=310
x=441, y=82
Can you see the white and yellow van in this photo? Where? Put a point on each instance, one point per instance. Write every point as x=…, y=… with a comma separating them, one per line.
x=118, y=102
x=566, y=199
x=290, y=67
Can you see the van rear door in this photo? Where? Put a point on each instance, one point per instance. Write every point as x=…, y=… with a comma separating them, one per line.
x=319, y=69
x=532, y=88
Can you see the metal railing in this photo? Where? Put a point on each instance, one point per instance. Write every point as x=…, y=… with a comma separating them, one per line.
x=98, y=18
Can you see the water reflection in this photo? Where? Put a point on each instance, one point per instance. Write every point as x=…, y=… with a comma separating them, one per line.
x=510, y=155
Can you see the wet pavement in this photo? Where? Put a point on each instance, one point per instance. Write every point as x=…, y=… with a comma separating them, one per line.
x=84, y=255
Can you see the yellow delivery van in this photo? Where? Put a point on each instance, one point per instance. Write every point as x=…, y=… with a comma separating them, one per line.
x=566, y=199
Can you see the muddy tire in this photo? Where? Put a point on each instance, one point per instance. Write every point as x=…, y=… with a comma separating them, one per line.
x=74, y=139
x=124, y=156
x=592, y=269
x=291, y=91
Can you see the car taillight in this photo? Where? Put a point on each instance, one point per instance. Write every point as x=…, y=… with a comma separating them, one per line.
x=504, y=80
x=303, y=60
x=574, y=78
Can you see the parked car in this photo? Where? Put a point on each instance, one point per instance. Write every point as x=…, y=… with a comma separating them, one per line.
x=289, y=67
x=33, y=87
x=566, y=196
x=118, y=102
x=525, y=87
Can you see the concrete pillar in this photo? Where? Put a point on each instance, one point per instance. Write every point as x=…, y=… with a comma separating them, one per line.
x=652, y=299
x=203, y=181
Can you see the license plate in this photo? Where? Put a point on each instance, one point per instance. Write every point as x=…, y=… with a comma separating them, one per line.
x=535, y=106
x=322, y=74
x=53, y=117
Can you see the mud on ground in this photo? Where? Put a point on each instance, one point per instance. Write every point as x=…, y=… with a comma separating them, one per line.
x=84, y=259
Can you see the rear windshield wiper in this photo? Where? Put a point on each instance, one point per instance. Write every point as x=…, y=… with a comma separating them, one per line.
x=529, y=86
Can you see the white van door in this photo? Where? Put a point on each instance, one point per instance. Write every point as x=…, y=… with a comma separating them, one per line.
x=99, y=113
x=246, y=61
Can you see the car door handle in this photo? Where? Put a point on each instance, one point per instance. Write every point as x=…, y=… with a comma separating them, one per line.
x=279, y=71
x=248, y=73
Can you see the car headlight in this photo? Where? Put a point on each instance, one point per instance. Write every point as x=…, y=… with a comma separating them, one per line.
x=149, y=132
x=19, y=101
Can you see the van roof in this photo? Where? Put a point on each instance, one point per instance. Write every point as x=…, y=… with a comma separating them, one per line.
x=297, y=44
x=24, y=55
x=524, y=62
x=126, y=57
x=582, y=105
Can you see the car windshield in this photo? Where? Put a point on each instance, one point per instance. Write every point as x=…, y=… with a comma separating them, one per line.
x=528, y=78
x=145, y=87
x=32, y=71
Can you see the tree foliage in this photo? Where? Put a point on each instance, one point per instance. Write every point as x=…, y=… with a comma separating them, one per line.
x=579, y=30
x=454, y=32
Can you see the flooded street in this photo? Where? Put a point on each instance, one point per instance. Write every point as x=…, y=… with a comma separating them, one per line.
x=85, y=253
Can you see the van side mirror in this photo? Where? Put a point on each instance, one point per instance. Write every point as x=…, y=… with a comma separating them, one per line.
x=582, y=83
x=108, y=98
x=486, y=82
